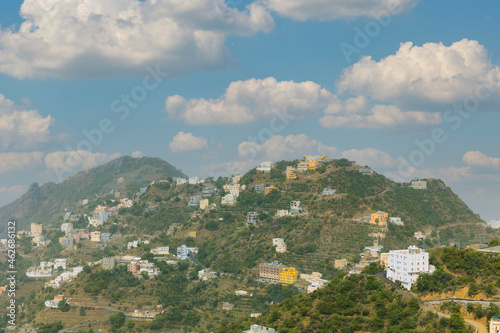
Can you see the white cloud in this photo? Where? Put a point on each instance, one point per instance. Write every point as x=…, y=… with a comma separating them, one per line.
x=280, y=147
x=22, y=129
x=476, y=158
x=357, y=113
x=137, y=154
x=186, y=142
x=84, y=38
x=371, y=157
x=251, y=100
x=303, y=10
x=431, y=73
x=10, y=193
x=67, y=163
x=19, y=161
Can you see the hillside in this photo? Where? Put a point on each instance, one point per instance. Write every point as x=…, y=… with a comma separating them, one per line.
x=354, y=303
x=46, y=203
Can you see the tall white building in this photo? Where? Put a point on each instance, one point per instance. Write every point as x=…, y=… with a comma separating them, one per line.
x=182, y=252
x=406, y=265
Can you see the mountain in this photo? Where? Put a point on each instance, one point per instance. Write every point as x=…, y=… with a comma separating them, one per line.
x=44, y=204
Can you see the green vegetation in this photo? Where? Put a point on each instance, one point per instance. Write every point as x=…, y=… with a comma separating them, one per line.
x=349, y=304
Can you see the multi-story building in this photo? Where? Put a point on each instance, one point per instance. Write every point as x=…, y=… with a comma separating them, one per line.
x=295, y=206
x=302, y=166
x=194, y=200
x=204, y=204
x=36, y=229
x=385, y=260
x=288, y=275
x=252, y=217
x=133, y=267
x=270, y=271
x=495, y=324
x=259, y=188
x=196, y=180
x=290, y=173
x=208, y=191
x=379, y=218
x=228, y=199
x=67, y=241
x=265, y=166
x=182, y=252
x=106, y=236
x=67, y=227
x=418, y=184
x=108, y=263
x=406, y=265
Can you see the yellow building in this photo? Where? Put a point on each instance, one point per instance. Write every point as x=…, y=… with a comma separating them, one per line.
x=290, y=173
x=268, y=189
x=288, y=275
x=203, y=204
x=36, y=229
x=313, y=164
x=379, y=218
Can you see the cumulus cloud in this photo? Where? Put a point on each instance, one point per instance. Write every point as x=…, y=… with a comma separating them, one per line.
x=137, y=154
x=22, y=129
x=185, y=142
x=303, y=10
x=284, y=147
x=358, y=113
x=83, y=38
x=10, y=193
x=372, y=157
x=67, y=163
x=431, y=73
x=254, y=99
x=476, y=158
x=19, y=161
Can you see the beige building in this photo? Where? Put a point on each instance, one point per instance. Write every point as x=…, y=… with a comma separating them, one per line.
x=385, y=260
x=340, y=264
x=95, y=236
x=36, y=229
x=495, y=324
x=379, y=218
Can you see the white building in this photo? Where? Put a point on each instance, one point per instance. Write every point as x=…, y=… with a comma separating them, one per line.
x=328, y=191
x=396, y=220
x=196, y=180
x=265, y=166
x=495, y=324
x=60, y=263
x=406, y=265
x=182, y=252
x=419, y=184
x=260, y=329
x=161, y=250
x=295, y=206
x=228, y=199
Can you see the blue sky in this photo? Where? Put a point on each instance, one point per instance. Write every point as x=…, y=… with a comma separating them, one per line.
x=235, y=68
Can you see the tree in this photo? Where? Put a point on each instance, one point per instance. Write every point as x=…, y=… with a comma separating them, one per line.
x=64, y=306
x=117, y=321
x=82, y=312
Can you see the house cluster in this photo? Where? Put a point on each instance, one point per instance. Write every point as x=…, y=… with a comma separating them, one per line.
x=232, y=190
x=315, y=281
x=404, y=266
x=65, y=277
x=370, y=254
x=382, y=218
x=309, y=162
x=73, y=236
x=280, y=245
x=137, y=267
x=183, y=251
x=191, y=180
x=54, y=304
x=46, y=268
x=419, y=235
x=265, y=166
x=136, y=243
x=275, y=272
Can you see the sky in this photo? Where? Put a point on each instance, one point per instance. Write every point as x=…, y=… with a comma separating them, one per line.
x=410, y=88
